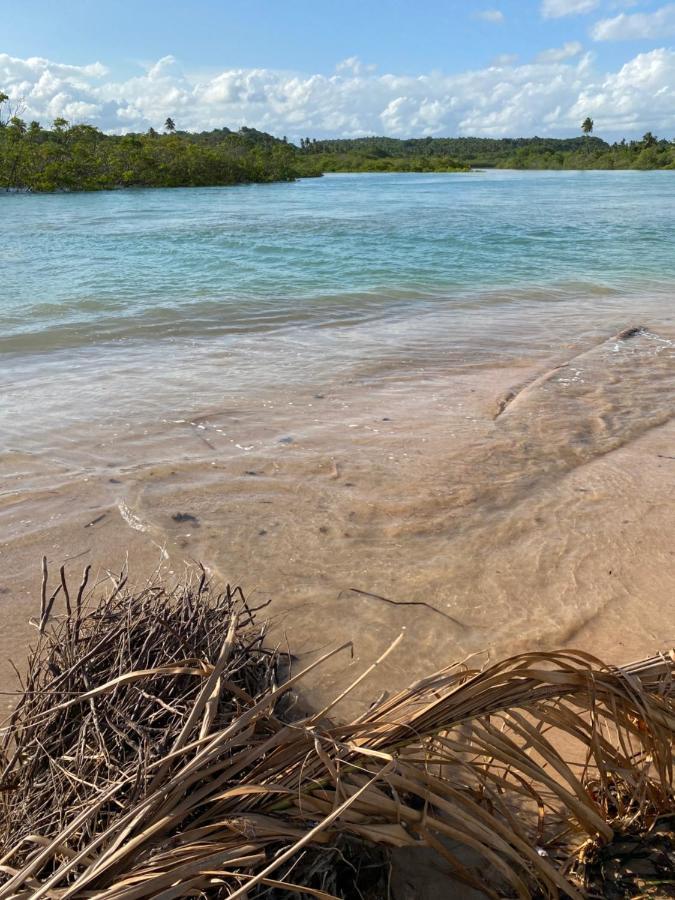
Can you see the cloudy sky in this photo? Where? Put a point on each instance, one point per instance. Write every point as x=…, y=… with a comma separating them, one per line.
x=345, y=67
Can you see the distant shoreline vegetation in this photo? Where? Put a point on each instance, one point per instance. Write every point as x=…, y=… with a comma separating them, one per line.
x=69, y=157
x=585, y=152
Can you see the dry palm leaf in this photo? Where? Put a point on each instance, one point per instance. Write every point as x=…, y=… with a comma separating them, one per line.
x=152, y=754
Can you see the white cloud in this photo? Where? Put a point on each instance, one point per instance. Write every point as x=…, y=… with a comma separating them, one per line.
x=354, y=66
x=496, y=16
x=556, y=9
x=550, y=95
x=637, y=98
x=634, y=26
x=505, y=59
x=558, y=54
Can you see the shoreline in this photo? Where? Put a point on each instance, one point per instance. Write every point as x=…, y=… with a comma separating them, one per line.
x=468, y=170
x=299, y=387
x=395, y=485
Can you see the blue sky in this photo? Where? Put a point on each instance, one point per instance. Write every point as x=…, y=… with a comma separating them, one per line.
x=320, y=68
x=397, y=35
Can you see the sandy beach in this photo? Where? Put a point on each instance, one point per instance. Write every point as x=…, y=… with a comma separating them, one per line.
x=383, y=403
x=495, y=507
x=445, y=431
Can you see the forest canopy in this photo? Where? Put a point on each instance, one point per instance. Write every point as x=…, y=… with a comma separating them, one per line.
x=80, y=157
x=71, y=157
x=585, y=152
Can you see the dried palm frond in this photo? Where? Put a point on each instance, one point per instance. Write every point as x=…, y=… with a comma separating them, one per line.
x=152, y=754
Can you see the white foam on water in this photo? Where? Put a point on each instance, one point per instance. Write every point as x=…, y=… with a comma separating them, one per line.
x=131, y=518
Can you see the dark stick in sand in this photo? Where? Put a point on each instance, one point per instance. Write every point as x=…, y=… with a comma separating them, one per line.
x=409, y=603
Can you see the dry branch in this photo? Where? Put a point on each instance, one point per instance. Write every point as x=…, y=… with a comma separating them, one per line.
x=152, y=754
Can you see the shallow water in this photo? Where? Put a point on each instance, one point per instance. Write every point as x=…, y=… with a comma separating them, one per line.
x=410, y=385
x=150, y=264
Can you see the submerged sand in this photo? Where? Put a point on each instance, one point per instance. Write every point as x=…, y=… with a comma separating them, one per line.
x=499, y=504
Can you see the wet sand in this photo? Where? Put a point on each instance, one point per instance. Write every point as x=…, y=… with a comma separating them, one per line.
x=497, y=504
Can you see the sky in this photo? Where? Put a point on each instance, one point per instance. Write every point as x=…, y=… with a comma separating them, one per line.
x=345, y=68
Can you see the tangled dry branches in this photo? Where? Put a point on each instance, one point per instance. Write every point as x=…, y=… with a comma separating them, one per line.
x=152, y=754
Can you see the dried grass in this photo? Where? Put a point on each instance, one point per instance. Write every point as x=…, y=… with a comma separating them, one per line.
x=153, y=754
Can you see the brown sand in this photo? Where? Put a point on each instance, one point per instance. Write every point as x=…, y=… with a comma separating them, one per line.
x=548, y=524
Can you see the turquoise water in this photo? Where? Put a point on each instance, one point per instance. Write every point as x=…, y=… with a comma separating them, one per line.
x=122, y=306
x=86, y=269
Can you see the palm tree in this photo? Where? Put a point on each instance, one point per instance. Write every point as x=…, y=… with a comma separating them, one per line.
x=170, y=125
x=587, y=125
x=3, y=99
x=18, y=125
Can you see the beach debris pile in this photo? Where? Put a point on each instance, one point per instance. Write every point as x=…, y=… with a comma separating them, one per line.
x=158, y=749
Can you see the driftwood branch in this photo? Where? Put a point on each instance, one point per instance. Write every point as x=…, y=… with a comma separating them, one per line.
x=152, y=754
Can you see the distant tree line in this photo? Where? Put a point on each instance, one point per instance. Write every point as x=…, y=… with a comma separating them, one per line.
x=509, y=153
x=81, y=157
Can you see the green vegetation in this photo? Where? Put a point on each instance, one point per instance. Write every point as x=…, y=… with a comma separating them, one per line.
x=585, y=152
x=80, y=157
x=362, y=162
